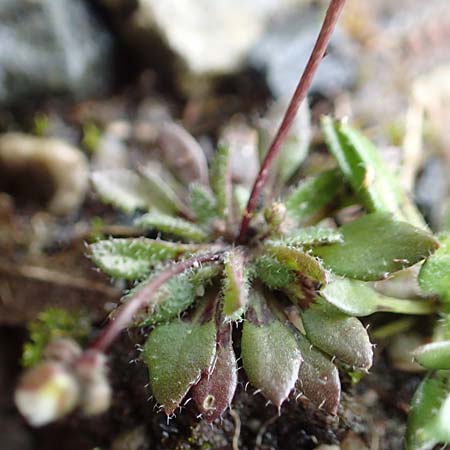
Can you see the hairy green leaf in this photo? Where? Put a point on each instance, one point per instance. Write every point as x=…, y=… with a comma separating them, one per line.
x=272, y=272
x=132, y=258
x=434, y=356
x=235, y=285
x=125, y=190
x=311, y=236
x=375, y=246
x=220, y=180
x=203, y=203
x=168, y=200
x=434, y=276
x=307, y=203
x=338, y=335
x=298, y=261
x=363, y=167
x=356, y=298
x=270, y=355
x=430, y=413
x=171, y=299
x=171, y=225
x=176, y=354
x=318, y=377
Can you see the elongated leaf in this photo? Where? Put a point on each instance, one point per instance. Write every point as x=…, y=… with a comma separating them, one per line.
x=270, y=355
x=311, y=236
x=235, y=289
x=434, y=356
x=214, y=392
x=363, y=167
x=176, y=354
x=124, y=189
x=132, y=258
x=295, y=147
x=307, y=203
x=171, y=225
x=174, y=297
x=434, y=276
x=318, y=377
x=242, y=142
x=183, y=154
x=375, y=246
x=220, y=180
x=155, y=177
x=429, y=417
x=203, y=203
x=298, y=261
x=338, y=335
x=356, y=298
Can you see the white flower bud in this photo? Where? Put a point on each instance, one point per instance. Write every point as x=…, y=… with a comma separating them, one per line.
x=46, y=393
x=96, y=398
x=96, y=392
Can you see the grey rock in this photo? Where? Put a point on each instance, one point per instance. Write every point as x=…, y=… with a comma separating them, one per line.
x=51, y=47
x=205, y=36
x=283, y=51
x=432, y=191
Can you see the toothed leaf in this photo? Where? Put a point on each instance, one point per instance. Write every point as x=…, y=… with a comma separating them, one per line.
x=235, y=285
x=270, y=355
x=298, y=261
x=434, y=356
x=214, y=392
x=356, y=298
x=220, y=180
x=363, y=167
x=172, y=225
x=434, y=276
x=429, y=414
x=132, y=258
x=375, y=246
x=312, y=236
x=203, y=203
x=307, y=203
x=318, y=377
x=125, y=190
x=338, y=335
x=176, y=354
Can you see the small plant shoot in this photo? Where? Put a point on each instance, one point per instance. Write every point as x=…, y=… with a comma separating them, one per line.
x=233, y=259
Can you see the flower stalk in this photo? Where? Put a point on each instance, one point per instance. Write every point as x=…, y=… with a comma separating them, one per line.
x=334, y=10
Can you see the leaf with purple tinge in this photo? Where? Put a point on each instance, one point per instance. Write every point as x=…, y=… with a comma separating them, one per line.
x=183, y=154
x=270, y=354
x=338, y=334
x=214, y=392
x=318, y=377
x=235, y=290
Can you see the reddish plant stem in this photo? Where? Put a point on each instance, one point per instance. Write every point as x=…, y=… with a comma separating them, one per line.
x=318, y=52
x=144, y=297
